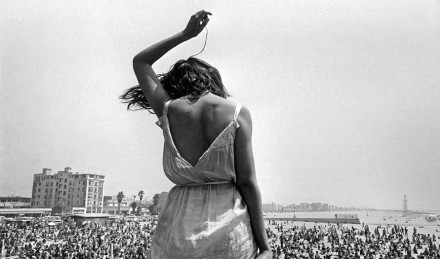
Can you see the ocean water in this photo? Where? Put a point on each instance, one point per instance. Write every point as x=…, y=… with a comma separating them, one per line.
x=373, y=218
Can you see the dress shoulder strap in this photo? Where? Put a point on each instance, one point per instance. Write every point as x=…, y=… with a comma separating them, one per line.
x=164, y=113
x=237, y=111
x=165, y=108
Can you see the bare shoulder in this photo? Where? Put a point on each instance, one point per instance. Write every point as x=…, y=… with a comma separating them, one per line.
x=218, y=107
x=245, y=119
x=214, y=100
x=244, y=113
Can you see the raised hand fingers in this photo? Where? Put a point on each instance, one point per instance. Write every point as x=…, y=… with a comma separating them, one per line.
x=205, y=21
x=202, y=15
x=196, y=24
x=203, y=12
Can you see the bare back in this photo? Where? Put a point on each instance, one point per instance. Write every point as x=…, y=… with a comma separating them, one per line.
x=195, y=124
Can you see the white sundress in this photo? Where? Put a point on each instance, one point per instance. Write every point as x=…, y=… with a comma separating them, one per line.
x=204, y=215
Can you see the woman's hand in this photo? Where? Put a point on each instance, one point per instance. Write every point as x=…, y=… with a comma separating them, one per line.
x=265, y=255
x=196, y=24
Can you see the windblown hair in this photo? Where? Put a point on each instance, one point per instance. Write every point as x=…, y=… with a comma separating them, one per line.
x=192, y=77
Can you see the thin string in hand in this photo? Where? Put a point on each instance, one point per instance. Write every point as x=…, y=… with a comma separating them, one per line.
x=204, y=45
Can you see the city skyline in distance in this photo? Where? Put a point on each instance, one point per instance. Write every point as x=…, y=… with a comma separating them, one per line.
x=300, y=206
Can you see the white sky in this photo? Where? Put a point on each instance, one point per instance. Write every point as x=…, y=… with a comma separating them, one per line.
x=344, y=94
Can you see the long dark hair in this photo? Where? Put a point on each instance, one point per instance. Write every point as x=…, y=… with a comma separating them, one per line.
x=192, y=77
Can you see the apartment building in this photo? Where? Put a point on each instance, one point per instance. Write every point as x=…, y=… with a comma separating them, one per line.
x=271, y=207
x=68, y=192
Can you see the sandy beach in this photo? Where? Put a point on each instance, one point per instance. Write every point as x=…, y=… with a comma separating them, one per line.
x=381, y=220
x=372, y=218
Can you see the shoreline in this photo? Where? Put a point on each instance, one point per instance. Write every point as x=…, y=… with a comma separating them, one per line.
x=376, y=218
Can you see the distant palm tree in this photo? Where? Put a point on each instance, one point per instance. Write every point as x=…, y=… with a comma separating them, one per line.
x=119, y=197
x=133, y=206
x=141, y=196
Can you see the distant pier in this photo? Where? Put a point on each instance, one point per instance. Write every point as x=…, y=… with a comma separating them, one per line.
x=336, y=220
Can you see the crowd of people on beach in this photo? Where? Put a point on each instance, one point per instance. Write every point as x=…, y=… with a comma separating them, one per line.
x=68, y=240
x=132, y=240
x=338, y=241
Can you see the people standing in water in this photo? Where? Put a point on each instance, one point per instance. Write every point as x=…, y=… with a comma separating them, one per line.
x=214, y=210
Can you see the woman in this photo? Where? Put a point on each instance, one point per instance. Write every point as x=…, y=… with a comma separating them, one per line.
x=214, y=211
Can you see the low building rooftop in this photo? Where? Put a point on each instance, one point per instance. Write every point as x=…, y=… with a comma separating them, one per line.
x=92, y=215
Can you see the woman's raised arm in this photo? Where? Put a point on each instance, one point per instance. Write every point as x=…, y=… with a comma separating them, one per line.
x=143, y=61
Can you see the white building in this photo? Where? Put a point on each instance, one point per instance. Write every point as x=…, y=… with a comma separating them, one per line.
x=65, y=190
x=271, y=207
x=111, y=205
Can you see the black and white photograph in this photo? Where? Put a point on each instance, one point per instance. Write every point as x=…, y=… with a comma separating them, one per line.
x=220, y=129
